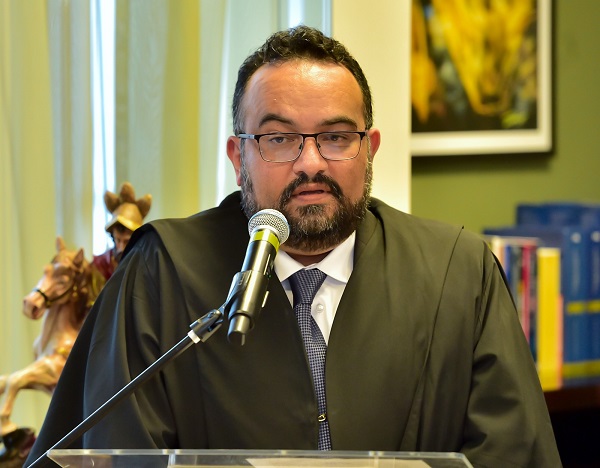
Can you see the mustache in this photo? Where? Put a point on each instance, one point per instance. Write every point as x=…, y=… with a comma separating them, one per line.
x=319, y=178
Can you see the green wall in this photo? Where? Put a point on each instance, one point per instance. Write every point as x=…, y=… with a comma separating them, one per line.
x=481, y=191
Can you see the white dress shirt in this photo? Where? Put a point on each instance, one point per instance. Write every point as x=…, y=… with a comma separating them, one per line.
x=337, y=266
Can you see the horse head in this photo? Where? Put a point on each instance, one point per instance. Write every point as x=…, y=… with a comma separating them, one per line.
x=68, y=278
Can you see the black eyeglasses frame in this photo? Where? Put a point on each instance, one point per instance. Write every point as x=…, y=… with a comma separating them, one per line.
x=258, y=136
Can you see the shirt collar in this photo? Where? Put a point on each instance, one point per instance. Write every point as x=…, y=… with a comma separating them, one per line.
x=337, y=264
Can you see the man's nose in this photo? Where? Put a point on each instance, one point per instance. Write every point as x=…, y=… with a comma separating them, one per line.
x=310, y=160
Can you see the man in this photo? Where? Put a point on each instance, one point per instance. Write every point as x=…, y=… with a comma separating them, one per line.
x=127, y=215
x=424, y=347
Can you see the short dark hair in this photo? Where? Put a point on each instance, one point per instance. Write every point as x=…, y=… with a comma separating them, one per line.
x=301, y=42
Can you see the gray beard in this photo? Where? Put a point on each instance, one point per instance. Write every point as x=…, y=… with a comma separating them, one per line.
x=311, y=230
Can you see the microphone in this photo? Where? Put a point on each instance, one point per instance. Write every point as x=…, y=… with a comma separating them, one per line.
x=248, y=293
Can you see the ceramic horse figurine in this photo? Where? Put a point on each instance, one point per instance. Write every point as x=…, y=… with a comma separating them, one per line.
x=62, y=298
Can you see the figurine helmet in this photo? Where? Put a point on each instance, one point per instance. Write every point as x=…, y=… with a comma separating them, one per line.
x=126, y=210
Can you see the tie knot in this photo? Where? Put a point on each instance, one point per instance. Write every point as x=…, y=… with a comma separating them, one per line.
x=305, y=284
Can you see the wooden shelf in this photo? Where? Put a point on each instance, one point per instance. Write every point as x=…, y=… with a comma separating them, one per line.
x=573, y=399
x=575, y=412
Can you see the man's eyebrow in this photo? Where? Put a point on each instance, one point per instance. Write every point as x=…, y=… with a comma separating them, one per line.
x=274, y=118
x=342, y=119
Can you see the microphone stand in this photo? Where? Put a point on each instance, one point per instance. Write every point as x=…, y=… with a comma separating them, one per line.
x=201, y=330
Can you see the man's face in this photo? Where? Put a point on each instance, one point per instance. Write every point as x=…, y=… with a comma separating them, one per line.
x=323, y=200
x=121, y=239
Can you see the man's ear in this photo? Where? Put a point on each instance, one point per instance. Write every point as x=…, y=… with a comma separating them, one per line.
x=235, y=156
x=374, y=140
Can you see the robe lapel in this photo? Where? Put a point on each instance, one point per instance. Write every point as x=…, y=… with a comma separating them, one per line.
x=381, y=333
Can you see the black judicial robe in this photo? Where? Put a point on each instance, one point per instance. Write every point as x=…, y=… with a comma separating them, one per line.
x=426, y=352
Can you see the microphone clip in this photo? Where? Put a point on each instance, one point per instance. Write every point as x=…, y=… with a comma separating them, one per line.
x=241, y=306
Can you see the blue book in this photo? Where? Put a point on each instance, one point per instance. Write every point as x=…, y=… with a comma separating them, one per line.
x=590, y=216
x=564, y=213
x=532, y=214
x=593, y=308
x=573, y=241
x=558, y=213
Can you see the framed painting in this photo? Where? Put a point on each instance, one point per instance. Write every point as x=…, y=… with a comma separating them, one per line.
x=481, y=77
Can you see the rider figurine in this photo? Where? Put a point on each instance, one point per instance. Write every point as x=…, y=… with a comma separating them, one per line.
x=128, y=215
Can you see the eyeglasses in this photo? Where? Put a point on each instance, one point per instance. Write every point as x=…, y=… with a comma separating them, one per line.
x=286, y=147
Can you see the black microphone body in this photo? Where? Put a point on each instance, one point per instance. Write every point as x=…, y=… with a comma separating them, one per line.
x=248, y=292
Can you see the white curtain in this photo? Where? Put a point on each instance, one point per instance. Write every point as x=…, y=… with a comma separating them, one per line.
x=68, y=44
x=176, y=64
x=39, y=178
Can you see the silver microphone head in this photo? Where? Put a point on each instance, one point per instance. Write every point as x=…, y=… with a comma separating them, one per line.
x=272, y=219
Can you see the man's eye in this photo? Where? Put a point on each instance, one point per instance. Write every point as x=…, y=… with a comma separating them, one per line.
x=335, y=137
x=280, y=139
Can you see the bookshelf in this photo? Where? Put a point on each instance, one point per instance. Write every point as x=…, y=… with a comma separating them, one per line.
x=558, y=301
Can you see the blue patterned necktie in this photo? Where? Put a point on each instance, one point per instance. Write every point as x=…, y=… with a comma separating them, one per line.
x=305, y=284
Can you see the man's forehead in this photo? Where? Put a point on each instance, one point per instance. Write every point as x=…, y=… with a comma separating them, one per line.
x=275, y=86
x=300, y=69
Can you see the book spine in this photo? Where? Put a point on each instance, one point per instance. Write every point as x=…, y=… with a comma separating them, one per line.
x=593, y=306
x=575, y=268
x=549, y=318
x=527, y=279
x=533, y=303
